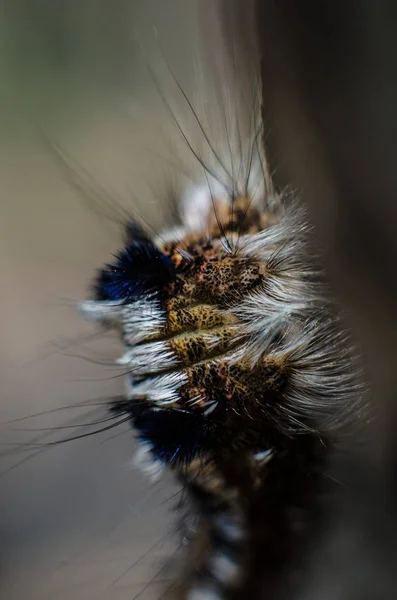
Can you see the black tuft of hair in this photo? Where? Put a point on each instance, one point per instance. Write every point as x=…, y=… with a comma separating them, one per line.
x=175, y=436
x=140, y=268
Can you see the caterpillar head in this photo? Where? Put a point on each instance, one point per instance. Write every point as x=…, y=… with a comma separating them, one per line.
x=226, y=337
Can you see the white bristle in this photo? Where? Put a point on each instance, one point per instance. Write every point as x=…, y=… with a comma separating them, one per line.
x=224, y=568
x=211, y=407
x=142, y=319
x=148, y=358
x=101, y=311
x=263, y=457
x=163, y=390
x=196, y=204
x=144, y=460
x=203, y=593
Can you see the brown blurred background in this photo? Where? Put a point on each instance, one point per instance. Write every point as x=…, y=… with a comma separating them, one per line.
x=76, y=520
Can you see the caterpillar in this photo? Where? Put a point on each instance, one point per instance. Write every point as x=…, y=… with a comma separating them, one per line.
x=240, y=375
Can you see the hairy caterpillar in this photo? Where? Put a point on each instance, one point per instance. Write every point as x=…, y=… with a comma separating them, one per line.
x=136, y=256
x=240, y=375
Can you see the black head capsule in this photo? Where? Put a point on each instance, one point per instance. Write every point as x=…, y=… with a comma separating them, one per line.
x=139, y=269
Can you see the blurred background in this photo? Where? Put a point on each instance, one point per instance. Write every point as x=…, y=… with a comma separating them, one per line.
x=84, y=137
x=76, y=520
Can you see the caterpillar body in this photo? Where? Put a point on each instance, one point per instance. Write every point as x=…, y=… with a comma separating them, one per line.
x=240, y=375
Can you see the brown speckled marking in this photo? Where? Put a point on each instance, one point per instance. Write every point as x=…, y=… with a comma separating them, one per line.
x=200, y=316
x=236, y=386
x=220, y=280
x=213, y=275
x=198, y=346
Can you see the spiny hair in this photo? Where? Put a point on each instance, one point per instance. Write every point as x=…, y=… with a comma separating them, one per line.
x=240, y=374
